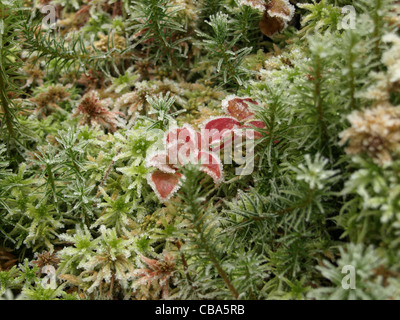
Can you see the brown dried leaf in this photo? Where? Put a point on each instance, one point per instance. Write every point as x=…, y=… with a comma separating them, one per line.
x=271, y=25
x=70, y=278
x=276, y=17
x=7, y=259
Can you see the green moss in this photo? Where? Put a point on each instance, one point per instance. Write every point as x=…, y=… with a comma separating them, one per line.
x=90, y=196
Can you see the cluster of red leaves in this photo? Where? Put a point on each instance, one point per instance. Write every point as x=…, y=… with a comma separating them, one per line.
x=185, y=145
x=182, y=147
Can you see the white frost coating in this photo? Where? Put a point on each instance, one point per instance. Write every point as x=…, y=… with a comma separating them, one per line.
x=218, y=137
x=192, y=132
x=391, y=58
x=256, y=4
x=151, y=161
x=225, y=102
x=185, y=152
x=284, y=17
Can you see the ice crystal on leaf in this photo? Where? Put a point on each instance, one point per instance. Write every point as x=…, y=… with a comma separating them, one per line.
x=118, y=212
x=79, y=251
x=387, y=82
x=44, y=226
x=256, y=4
x=185, y=145
x=123, y=83
x=391, y=58
x=238, y=107
x=135, y=144
x=164, y=184
x=137, y=175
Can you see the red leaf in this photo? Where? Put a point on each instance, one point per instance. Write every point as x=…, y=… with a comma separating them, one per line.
x=271, y=25
x=257, y=123
x=211, y=164
x=218, y=131
x=164, y=184
x=160, y=161
x=221, y=123
x=182, y=144
x=182, y=153
x=276, y=17
x=181, y=135
x=239, y=108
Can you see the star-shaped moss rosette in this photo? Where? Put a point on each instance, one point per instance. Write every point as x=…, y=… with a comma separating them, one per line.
x=183, y=145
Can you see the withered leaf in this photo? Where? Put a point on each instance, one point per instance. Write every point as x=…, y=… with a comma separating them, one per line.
x=278, y=13
x=70, y=278
x=281, y=9
x=271, y=25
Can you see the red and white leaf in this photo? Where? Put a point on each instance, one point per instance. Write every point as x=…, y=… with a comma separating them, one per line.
x=221, y=123
x=219, y=131
x=182, y=153
x=239, y=108
x=181, y=135
x=164, y=184
x=182, y=144
x=211, y=164
x=161, y=161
